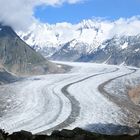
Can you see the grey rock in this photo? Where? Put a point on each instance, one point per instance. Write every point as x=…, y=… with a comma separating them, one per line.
x=18, y=57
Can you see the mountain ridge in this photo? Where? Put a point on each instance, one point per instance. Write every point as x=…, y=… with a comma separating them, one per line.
x=18, y=57
x=118, y=50
x=85, y=41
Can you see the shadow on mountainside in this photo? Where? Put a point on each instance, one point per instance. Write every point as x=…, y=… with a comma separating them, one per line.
x=6, y=77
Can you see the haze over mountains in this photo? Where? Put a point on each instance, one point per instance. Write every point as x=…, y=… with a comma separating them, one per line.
x=100, y=41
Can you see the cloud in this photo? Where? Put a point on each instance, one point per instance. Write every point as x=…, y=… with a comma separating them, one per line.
x=95, y=30
x=120, y=27
x=19, y=13
x=129, y=26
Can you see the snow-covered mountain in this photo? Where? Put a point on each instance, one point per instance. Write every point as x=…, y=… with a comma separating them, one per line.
x=74, y=49
x=118, y=50
x=48, y=39
x=89, y=40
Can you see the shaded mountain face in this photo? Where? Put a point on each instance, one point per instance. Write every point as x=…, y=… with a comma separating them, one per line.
x=71, y=51
x=18, y=57
x=118, y=50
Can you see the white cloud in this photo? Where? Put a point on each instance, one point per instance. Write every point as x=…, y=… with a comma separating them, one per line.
x=19, y=13
x=129, y=26
x=88, y=31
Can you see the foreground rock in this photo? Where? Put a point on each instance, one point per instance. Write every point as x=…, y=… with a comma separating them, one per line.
x=76, y=134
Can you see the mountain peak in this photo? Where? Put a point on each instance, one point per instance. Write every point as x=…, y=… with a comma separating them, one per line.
x=7, y=31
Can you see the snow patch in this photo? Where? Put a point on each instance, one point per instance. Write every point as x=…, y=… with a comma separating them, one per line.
x=103, y=46
x=136, y=50
x=59, y=66
x=124, y=46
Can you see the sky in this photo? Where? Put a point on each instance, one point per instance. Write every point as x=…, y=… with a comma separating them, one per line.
x=22, y=14
x=74, y=13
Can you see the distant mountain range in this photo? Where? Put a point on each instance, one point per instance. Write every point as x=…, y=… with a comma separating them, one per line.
x=49, y=39
x=88, y=41
x=19, y=58
x=118, y=50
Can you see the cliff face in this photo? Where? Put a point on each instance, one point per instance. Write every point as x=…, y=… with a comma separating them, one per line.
x=18, y=57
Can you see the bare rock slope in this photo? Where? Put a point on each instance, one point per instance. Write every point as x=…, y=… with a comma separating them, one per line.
x=19, y=58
